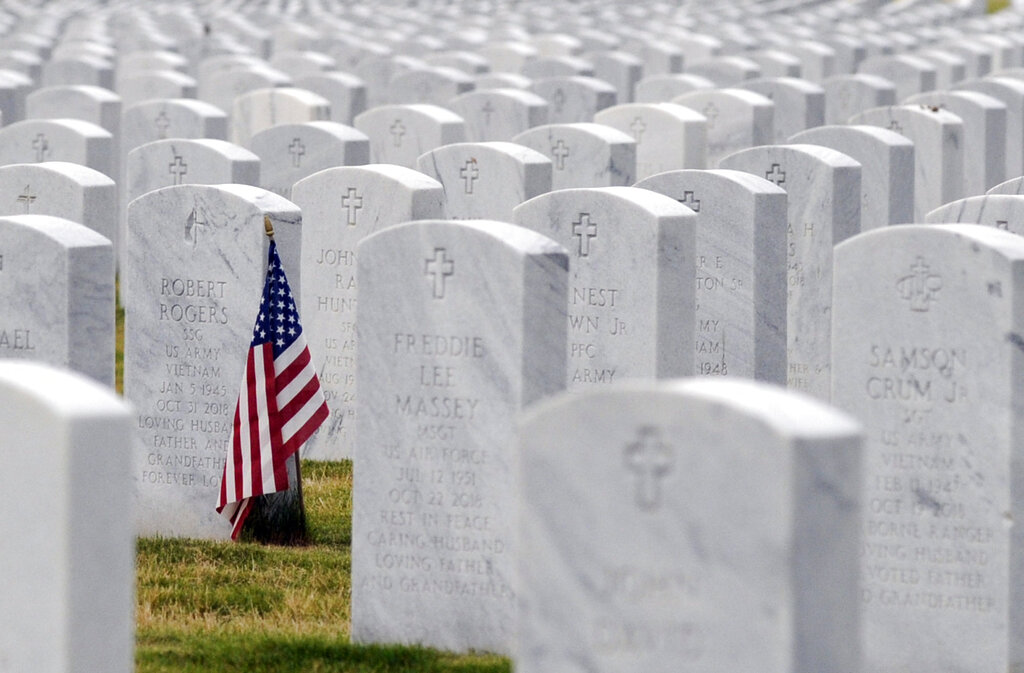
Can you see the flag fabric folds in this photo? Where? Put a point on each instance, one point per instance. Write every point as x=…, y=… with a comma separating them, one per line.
x=280, y=404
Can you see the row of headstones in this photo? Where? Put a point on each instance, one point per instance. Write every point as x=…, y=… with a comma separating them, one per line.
x=647, y=523
x=831, y=533
x=816, y=195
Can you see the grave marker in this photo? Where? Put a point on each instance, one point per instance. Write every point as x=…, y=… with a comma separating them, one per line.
x=631, y=292
x=935, y=379
x=69, y=566
x=65, y=319
x=400, y=134
x=736, y=119
x=487, y=179
x=441, y=379
x=194, y=272
x=290, y=152
x=938, y=150
x=584, y=155
x=823, y=189
x=887, y=169
x=371, y=198
x=668, y=136
x=655, y=463
x=740, y=270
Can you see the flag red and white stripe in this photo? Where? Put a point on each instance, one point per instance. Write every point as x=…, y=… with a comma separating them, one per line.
x=280, y=404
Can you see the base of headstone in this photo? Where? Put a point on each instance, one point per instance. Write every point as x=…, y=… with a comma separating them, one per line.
x=279, y=518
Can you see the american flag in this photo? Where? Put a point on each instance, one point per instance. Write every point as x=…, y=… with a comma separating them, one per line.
x=280, y=403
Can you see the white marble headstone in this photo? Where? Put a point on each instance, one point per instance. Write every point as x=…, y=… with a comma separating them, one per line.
x=290, y=152
x=984, y=119
x=698, y=525
x=668, y=136
x=736, y=119
x=72, y=140
x=631, y=291
x=68, y=560
x=340, y=207
x=574, y=99
x=196, y=263
x=487, y=180
x=400, y=134
x=926, y=346
x=60, y=189
x=823, y=189
x=584, y=155
x=887, y=163
x=848, y=95
x=499, y=114
x=938, y=150
x=741, y=270
x=462, y=324
x=258, y=110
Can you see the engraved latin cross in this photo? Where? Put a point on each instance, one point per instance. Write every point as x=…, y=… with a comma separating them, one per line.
x=178, y=168
x=440, y=267
x=488, y=110
x=711, y=112
x=354, y=202
x=638, y=127
x=41, y=145
x=776, y=175
x=690, y=202
x=584, y=230
x=162, y=124
x=561, y=151
x=558, y=99
x=298, y=150
x=469, y=173
x=27, y=198
x=651, y=459
x=397, y=131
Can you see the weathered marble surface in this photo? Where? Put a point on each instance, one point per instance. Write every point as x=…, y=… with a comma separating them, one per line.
x=926, y=334
x=191, y=286
x=669, y=466
x=340, y=207
x=68, y=562
x=461, y=325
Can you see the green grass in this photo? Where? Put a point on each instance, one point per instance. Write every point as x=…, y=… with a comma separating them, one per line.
x=242, y=607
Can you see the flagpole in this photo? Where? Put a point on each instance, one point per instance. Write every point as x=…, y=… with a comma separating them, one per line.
x=269, y=228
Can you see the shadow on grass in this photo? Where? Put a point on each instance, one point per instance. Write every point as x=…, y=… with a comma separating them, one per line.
x=242, y=653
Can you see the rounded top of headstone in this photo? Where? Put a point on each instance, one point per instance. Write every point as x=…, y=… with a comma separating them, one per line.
x=326, y=128
x=261, y=199
x=96, y=93
x=83, y=175
x=409, y=178
x=1010, y=246
x=653, y=203
x=864, y=131
x=786, y=412
x=62, y=392
x=525, y=240
x=433, y=112
x=520, y=153
x=82, y=128
x=64, y=232
x=228, y=150
x=748, y=181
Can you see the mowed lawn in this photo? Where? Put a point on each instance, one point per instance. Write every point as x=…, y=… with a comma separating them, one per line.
x=249, y=608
